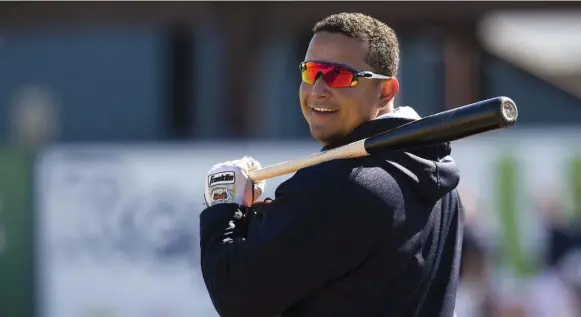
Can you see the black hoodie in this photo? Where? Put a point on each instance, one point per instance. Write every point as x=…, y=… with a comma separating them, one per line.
x=373, y=236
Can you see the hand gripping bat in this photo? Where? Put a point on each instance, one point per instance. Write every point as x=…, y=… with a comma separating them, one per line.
x=458, y=123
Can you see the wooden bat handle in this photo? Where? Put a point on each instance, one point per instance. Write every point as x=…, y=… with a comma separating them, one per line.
x=355, y=149
x=450, y=125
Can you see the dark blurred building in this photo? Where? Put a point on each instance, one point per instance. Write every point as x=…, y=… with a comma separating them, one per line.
x=151, y=71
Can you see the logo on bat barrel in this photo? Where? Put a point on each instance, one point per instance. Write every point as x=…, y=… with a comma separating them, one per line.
x=221, y=178
x=222, y=195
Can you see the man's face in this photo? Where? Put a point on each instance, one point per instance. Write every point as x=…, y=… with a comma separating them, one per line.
x=350, y=106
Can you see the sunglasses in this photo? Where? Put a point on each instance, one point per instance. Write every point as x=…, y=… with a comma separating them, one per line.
x=335, y=75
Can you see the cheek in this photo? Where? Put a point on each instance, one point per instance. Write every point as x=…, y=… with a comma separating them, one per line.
x=356, y=107
x=304, y=91
x=366, y=100
x=351, y=102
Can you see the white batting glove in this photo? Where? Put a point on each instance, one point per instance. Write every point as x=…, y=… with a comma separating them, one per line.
x=228, y=182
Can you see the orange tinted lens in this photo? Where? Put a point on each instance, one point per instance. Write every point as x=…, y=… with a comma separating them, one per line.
x=335, y=77
x=310, y=71
x=339, y=78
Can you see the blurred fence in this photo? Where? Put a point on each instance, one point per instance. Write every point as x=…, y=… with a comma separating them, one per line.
x=115, y=226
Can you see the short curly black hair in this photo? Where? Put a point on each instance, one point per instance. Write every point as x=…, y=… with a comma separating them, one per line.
x=383, y=54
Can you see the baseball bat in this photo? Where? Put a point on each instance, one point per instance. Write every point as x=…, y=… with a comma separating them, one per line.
x=476, y=118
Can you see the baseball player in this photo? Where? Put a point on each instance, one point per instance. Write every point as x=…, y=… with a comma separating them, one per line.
x=373, y=236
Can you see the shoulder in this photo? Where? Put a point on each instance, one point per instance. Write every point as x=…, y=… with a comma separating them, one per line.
x=376, y=178
x=352, y=179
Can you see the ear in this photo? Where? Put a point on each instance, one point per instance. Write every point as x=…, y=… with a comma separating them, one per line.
x=389, y=89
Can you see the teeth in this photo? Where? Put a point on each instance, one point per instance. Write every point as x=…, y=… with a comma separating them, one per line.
x=323, y=110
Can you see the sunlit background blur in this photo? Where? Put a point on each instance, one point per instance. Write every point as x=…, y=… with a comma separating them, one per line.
x=111, y=114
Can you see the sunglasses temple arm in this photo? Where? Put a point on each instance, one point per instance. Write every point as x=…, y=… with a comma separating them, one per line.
x=376, y=76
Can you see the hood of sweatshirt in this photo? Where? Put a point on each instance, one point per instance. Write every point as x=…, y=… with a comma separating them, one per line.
x=431, y=169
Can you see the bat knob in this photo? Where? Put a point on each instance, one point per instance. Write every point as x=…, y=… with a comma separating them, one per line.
x=508, y=110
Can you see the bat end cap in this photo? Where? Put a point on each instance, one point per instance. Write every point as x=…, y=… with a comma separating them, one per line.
x=508, y=110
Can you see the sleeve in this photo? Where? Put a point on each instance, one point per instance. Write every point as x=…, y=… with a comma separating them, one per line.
x=308, y=236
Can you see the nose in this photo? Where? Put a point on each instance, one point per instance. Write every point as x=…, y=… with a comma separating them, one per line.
x=320, y=87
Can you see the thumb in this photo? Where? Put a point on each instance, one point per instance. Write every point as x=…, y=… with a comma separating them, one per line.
x=251, y=165
x=258, y=189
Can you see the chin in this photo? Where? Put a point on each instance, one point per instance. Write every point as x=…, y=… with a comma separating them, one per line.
x=318, y=136
x=325, y=137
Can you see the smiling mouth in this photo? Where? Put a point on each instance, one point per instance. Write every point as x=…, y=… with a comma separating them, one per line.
x=323, y=110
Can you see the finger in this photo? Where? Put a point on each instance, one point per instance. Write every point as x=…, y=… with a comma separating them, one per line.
x=222, y=165
x=256, y=165
x=251, y=163
x=258, y=190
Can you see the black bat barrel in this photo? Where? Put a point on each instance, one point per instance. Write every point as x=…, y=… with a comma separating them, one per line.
x=483, y=116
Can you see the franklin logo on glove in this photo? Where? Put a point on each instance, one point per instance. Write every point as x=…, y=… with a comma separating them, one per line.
x=221, y=178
